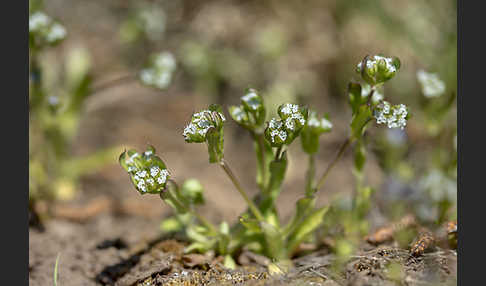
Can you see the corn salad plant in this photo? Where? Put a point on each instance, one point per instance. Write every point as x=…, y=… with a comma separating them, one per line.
x=260, y=228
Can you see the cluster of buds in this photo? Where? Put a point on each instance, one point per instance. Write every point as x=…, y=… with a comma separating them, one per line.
x=284, y=130
x=251, y=113
x=158, y=72
x=393, y=116
x=207, y=126
x=431, y=84
x=147, y=171
x=44, y=30
x=311, y=132
x=378, y=69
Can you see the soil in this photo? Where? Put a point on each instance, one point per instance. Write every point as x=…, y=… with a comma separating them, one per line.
x=116, y=249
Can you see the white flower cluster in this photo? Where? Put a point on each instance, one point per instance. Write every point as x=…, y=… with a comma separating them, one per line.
x=393, y=116
x=152, y=177
x=431, y=84
x=276, y=130
x=200, y=124
x=42, y=24
x=293, y=113
x=159, y=74
x=373, y=61
x=324, y=123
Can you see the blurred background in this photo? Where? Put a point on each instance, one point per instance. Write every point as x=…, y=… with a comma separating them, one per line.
x=290, y=51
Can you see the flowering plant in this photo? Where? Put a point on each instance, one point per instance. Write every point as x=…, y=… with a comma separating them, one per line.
x=260, y=228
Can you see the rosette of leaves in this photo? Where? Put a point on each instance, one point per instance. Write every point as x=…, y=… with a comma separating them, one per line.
x=158, y=71
x=207, y=126
x=312, y=130
x=147, y=171
x=251, y=113
x=378, y=69
x=44, y=31
x=283, y=131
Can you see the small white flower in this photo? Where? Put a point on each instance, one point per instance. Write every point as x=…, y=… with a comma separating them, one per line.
x=275, y=124
x=150, y=181
x=248, y=98
x=38, y=21
x=57, y=32
x=154, y=171
x=290, y=108
x=141, y=174
x=393, y=116
x=289, y=123
x=326, y=123
x=431, y=84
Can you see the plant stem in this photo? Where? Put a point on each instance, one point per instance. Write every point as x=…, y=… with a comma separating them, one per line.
x=189, y=210
x=340, y=153
x=262, y=158
x=114, y=82
x=310, y=175
x=279, y=151
x=233, y=179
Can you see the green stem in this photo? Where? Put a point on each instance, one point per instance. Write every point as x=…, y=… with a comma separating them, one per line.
x=242, y=192
x=180, y=205
x=311, y=172
x=262, y=158
x=340, y=153
x=279, y=151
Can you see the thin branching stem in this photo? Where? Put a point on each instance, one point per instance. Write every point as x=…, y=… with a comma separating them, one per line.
x=127, y=78
x=340, y=153
x=237, y=184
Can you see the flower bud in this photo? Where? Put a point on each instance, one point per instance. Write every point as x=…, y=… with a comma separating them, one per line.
x=251, y=113
x=376, y=70
x=311, y=132
x=147, y=171
x=201, y=122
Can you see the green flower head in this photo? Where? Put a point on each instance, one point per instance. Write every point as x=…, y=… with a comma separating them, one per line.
x=311, y=132
x=284, y=130
x=196, y=131
x=376, y=70
x=147, y=171
x=251, y=113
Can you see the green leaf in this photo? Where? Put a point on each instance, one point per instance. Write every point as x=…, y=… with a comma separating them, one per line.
x=359, y=121
x=229, y=262
x=171, y=224
x=277, y=174
x=303, y=207
x=274, y=241
x=306, y=227
x=264, y=156
x=250, y=223
x=354, y=93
